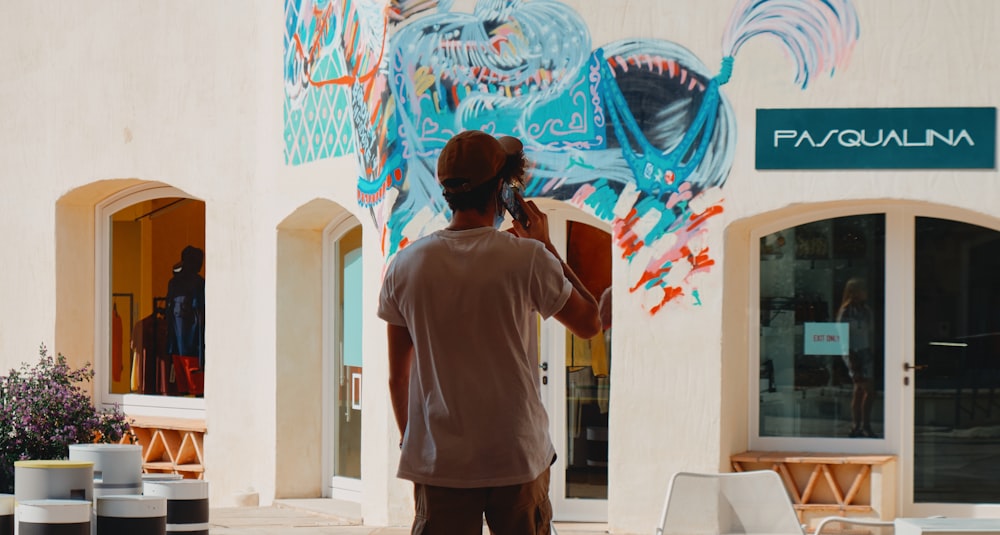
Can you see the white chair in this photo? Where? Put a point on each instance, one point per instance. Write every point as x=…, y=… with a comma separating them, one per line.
x=754, y=502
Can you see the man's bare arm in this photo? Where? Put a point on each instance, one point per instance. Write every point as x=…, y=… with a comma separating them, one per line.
x=400, y=359
x=580, y=313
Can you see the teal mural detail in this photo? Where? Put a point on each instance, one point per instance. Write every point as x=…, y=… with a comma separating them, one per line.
x=317, y=119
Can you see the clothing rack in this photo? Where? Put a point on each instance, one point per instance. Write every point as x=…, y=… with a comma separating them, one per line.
x=151, y=363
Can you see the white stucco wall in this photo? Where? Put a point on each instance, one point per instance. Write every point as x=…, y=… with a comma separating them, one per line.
x=914, y=54
x=189, y=94
x=680, y=396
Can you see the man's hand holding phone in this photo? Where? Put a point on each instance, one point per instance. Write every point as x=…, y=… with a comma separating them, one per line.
x=537, y=226
x=510, y=196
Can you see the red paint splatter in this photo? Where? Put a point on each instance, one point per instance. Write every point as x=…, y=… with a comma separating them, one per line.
x=669, y=294
x=625, y=237
x=647, y=276
x=698, y=219
x=700, y=262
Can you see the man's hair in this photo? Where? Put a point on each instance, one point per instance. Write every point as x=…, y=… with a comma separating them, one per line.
x=478, y=198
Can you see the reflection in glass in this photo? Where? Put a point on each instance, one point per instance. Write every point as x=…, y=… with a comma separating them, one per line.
x=956, y=427
x=157, y=298
x=588, y=370
x=347, y=456
x=821, y=329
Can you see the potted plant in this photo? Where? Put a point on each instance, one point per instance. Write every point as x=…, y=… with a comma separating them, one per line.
x=43, y=410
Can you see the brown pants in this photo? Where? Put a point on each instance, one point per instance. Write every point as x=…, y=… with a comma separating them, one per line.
x=513, y=510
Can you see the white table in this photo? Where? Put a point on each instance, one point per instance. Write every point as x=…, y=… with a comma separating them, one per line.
x=946, y=526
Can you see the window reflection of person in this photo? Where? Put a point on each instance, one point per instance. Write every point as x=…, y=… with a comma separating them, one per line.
x=604, y=381
x=604, y=306
x=860, y=360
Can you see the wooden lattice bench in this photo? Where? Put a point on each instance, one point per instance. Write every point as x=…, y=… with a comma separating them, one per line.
x=171, y=445
x=826, y=484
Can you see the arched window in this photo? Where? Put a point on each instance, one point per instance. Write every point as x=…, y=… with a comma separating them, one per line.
x=877, y=331
x=822, y=318
x=151, y=267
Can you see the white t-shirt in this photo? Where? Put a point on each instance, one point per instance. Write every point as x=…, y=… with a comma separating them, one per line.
x=470, y=300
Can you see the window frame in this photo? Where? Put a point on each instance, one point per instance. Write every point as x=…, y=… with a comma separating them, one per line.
x=907, y=410
x=900, y=221
x=900, y=250
x=891, y=349
x=334, y=486
x=131, y=404
x=552, y=350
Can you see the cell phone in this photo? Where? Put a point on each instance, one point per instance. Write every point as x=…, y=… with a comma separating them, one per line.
x=508, y=195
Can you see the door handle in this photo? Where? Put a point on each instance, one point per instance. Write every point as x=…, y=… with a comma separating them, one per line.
x=907, y=367
x=544, y=366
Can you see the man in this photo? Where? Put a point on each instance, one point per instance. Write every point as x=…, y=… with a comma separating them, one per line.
x=461, y=305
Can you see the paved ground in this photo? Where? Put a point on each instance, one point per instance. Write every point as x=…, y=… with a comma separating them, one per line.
x=320, y=517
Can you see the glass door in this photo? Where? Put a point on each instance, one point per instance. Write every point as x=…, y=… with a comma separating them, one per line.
x=577, y=383
x=345, y=377
x=821, y=334
x=954, y=372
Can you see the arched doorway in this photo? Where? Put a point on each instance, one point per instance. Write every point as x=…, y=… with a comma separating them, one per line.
x=576, y=374
x=933, y=302
x=319, y=353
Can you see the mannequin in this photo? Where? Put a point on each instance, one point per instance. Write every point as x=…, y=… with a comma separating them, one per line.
x=186, y=307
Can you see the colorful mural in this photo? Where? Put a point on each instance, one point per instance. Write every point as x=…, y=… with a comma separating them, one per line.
x=636, y=132
x=336, y=98
x=317, y=124
x=400, y=10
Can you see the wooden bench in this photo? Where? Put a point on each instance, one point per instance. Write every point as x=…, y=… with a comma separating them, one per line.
x=826, y=484
x=171, y=445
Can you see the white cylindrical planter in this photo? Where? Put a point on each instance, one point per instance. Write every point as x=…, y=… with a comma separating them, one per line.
x=117, y=467
x=53, y=517
x=53, y=480
x=160, y=476
x=6, y=514
x=187, y=504
x=131, y=515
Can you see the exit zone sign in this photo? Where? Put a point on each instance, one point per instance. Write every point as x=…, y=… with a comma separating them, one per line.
x=827, y=338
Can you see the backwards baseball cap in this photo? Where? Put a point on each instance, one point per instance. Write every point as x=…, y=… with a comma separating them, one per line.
x=472, y=158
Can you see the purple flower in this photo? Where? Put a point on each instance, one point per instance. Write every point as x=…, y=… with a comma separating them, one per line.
x=43, y=410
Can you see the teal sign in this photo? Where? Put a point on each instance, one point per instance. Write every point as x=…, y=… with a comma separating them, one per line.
x=876, y=138
x=826, y=338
